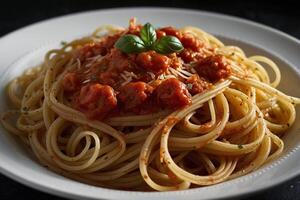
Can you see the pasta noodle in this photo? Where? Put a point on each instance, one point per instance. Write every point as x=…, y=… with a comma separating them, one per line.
x=228, y=130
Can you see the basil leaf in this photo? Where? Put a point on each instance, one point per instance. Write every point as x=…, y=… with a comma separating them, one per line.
x=148, y=34
x=167, y=45
x=130, y=44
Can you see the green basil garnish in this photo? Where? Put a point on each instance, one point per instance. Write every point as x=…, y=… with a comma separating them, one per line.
x=148, y=34
x=130, y=44
x=168, y=44
x=147, y=41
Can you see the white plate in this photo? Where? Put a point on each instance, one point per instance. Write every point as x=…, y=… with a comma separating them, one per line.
x=17, y=162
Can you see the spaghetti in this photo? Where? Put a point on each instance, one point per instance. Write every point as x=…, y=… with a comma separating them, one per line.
x=149, y=120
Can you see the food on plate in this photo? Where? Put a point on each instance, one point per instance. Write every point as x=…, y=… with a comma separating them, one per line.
x=150, y=108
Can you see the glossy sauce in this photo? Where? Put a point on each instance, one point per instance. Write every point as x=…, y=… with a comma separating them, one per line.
x=111, y=83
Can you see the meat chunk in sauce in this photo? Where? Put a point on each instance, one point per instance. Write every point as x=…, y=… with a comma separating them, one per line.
x=160, y=34
x=189, y=41
x=213, y=68
x=96, y=87
x=171, y=31
x=97, y=100
x=101, y=48
x=70, y=82
x=134, y=28
x=197, y=85
x=118, y=61
x=133, y=95
x=173, y=94
x=152, y=61
x=188, y=55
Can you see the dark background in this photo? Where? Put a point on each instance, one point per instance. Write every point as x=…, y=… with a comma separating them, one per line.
x=283, y=15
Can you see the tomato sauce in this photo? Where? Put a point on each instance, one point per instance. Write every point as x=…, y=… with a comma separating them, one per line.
x=213, y=68
x=96, y=100
x=197, y=84
x=133, y=95
x=112, y=83
x=154, y=62
x=173, y=94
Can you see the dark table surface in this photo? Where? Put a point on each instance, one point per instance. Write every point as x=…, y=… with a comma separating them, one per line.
x=282, y=15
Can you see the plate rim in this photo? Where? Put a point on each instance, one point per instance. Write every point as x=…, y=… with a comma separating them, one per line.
x=208, y=13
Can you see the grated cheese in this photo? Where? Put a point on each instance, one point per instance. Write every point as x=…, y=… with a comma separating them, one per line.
x=185, y=72
x=78, y=63
x=126, y=81
x=193, y=70
x=169, y=76
x=130, y=74
x=124, y=77
x=151, y=74
x=93, y=60
x=161, y=77
x=175, y=72
x=86, y=81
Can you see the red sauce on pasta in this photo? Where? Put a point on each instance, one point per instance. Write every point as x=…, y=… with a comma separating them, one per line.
x=109, y=82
